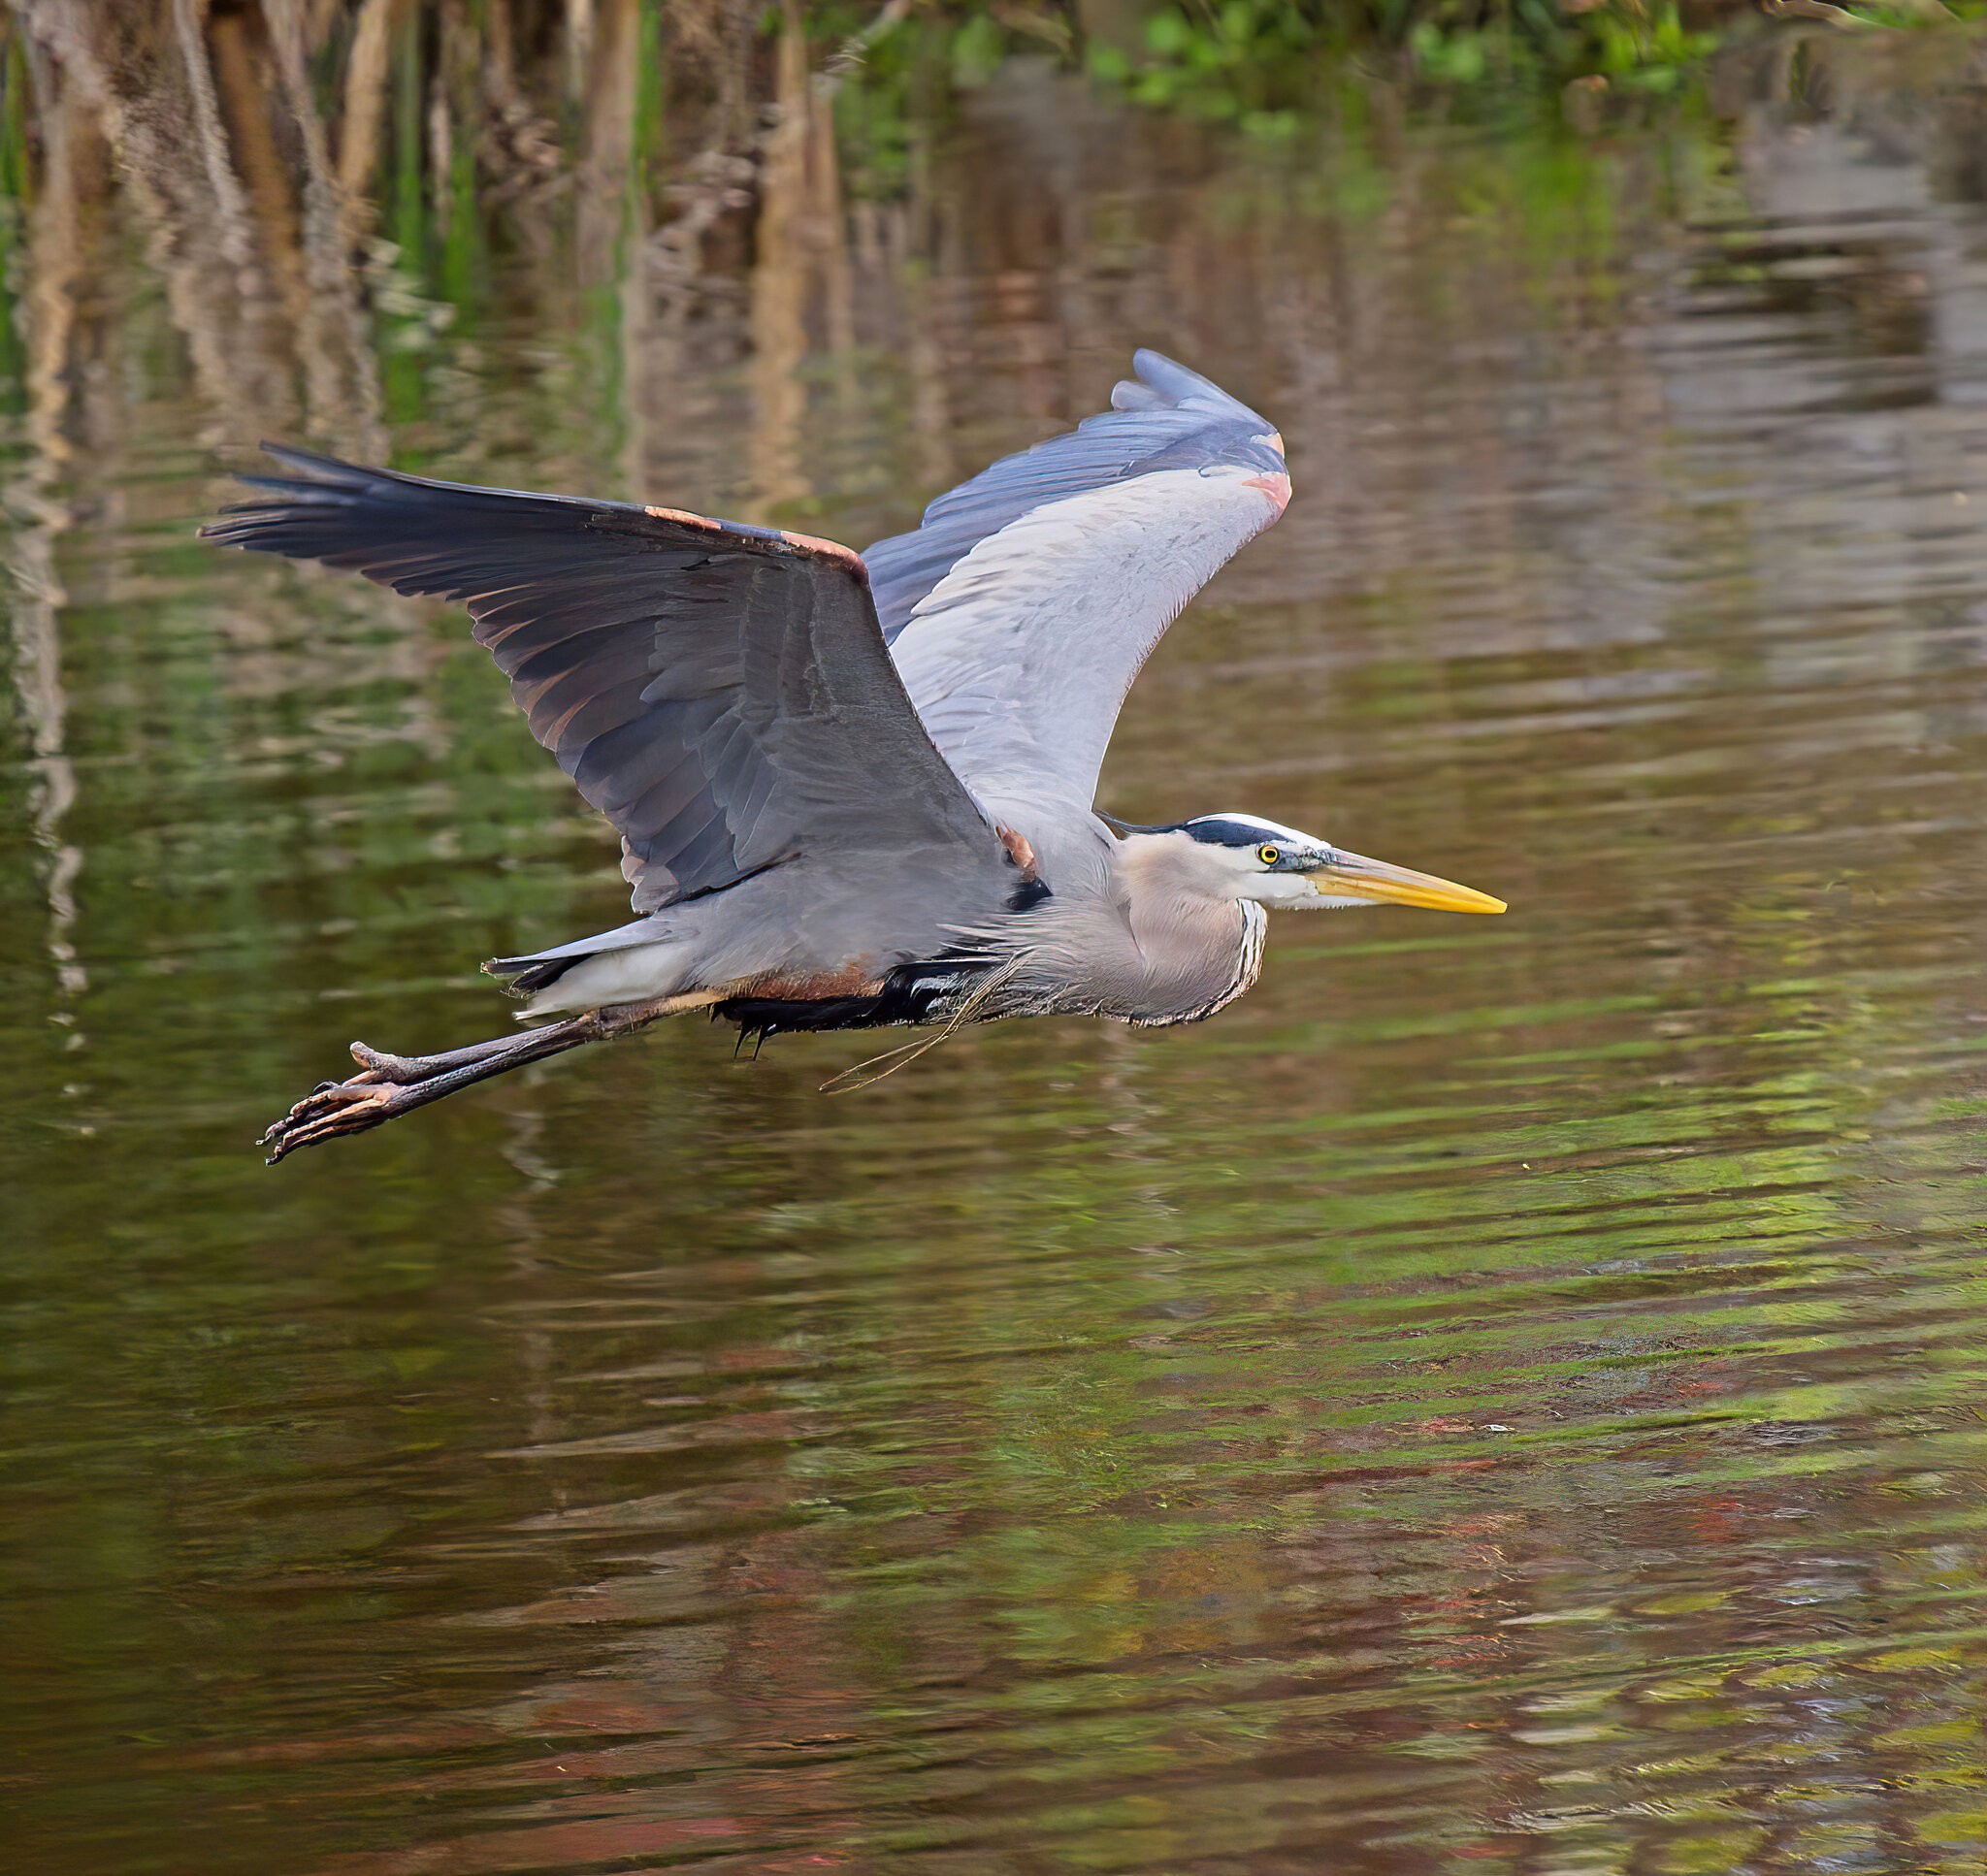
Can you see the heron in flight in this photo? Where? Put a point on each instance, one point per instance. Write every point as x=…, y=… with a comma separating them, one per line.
x=853, y=790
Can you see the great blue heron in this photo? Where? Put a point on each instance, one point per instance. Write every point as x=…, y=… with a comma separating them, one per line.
x=854, y=790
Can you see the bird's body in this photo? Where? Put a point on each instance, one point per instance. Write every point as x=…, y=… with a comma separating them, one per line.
x=1128, y=932
x=855, y=790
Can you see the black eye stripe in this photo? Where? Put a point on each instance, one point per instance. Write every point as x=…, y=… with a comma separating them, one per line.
x=1217, y=833
x=1227, y=830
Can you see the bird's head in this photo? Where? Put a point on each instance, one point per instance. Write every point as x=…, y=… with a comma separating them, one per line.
x=1241, y=856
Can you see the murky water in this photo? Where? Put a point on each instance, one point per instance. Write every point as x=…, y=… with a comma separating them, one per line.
x=1508, y=1396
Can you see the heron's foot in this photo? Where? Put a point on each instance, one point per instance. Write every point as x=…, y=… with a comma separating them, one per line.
x=388, y=1086
x=332, y=1109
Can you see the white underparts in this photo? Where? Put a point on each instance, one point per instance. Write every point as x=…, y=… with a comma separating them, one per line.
x=633, y=974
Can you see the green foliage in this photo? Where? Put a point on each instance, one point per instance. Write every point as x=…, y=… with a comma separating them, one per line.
x=1449, y=59
x=1260, y=62
x=1649, y=47
x=894, y=97
x=1228, y=62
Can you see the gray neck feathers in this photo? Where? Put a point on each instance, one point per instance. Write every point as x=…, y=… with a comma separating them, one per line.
x=1152, y=941
x=1193, y=947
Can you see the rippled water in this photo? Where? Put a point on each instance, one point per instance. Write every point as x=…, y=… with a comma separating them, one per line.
x=1508, y=1396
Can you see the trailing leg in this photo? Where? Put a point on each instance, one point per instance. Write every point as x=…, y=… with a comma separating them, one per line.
x=388, y=1086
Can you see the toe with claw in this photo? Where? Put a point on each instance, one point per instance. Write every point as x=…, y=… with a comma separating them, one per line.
x=331, y=1110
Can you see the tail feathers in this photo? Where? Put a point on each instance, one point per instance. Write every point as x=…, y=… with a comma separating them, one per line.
x=525, y=976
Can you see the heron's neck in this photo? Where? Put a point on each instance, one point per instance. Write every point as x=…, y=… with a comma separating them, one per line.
x=1167, y=875
x=1193, y=950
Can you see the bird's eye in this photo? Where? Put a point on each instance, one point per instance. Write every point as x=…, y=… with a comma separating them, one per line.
x=1269, y=856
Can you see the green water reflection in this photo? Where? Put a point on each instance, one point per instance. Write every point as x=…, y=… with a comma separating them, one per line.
x=1506, y=1396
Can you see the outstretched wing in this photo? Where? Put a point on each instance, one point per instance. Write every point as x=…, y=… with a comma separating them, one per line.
x=722, y=694
x=1022, y=608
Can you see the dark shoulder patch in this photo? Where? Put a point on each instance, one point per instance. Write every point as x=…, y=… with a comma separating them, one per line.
x=1027, y=894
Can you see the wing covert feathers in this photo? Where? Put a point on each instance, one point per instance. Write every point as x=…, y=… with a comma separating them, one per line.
x=1022, y=608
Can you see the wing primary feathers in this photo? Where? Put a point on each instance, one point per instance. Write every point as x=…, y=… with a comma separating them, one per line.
x=678, y=667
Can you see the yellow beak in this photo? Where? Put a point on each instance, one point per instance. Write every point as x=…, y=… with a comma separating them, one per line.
x=1352, y=876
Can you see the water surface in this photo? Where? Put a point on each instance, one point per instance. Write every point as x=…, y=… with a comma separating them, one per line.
x=1507, y=1395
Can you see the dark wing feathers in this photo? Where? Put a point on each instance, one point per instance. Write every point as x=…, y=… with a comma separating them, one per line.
x=721, y=693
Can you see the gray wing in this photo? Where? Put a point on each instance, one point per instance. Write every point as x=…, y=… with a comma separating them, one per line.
x=1022, y=608
x=722, y=694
